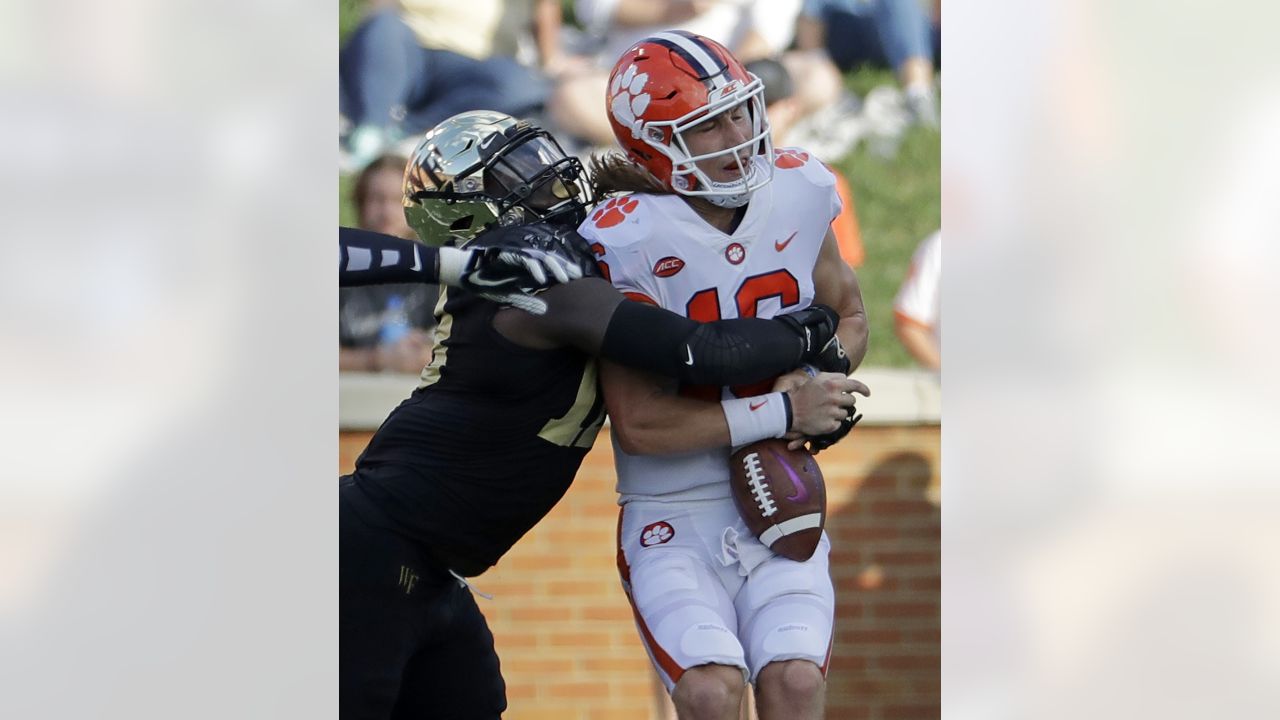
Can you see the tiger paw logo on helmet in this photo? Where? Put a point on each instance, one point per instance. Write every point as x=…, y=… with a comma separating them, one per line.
x=627, y=101
x=787, y=159
x=656, y=534
x=614, y=211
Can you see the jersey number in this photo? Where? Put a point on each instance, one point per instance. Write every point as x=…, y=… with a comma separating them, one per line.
x=704, y=306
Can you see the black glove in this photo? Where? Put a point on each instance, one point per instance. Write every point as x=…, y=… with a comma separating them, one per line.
x=561, y=242
x=815, y=325
x=509, y=264
x=833, y=358
x=821, y=442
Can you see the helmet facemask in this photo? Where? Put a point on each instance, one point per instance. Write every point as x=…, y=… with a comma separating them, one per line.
x=497, y=172
x=751, y=155
x=531, y=177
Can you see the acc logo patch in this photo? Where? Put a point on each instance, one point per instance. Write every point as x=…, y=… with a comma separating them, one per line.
x=787, y=159
x=656, y=533
x=668, y=266
x=614, y=211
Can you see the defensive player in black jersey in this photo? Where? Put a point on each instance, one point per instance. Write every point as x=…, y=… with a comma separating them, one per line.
x=506, y=411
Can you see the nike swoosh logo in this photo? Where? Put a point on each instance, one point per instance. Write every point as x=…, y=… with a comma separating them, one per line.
x=802, y=492
x=487, y=283
x=485, y=143
x=753, y=407
x=690, y=351
x=417, y=260
x=780, y=246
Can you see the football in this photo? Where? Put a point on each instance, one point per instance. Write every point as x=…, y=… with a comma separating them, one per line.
x=781, y=496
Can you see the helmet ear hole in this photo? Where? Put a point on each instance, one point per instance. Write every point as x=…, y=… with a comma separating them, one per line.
x=463, y=223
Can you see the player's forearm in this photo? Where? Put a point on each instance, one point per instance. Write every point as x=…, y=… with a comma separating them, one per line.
x=590, y=315
x=854, y=334
x=671, y=425
x=371, y=258
x=725, y=352
x=649, y=418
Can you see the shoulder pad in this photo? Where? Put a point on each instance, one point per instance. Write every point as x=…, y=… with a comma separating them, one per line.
x=619, y=220
x=796, y=161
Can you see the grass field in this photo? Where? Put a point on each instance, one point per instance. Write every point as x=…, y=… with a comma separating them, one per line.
x=898, y=203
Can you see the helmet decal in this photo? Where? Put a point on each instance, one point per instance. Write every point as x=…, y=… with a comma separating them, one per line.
x=628, y=99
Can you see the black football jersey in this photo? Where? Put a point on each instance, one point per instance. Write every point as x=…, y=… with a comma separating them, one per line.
x=486, y=445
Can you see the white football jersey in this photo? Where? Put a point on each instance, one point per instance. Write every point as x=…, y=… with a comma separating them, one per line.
x=655, y=248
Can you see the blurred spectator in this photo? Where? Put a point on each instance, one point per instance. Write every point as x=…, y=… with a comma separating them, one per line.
x=894, y=33
x=407, y=68
x=917, y=309
x=751, y=29
x=384, y=327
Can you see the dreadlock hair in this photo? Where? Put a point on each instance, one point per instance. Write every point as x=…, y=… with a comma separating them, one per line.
x=613, y=173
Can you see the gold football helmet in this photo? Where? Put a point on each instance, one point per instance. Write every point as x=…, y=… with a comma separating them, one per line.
x=481, y=168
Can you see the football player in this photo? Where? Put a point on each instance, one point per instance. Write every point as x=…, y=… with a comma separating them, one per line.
x=506, y=410
x=746, y=229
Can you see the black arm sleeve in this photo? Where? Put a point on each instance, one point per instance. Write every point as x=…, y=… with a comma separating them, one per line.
x=372, y=258
x=591, y=315
x=724, y=352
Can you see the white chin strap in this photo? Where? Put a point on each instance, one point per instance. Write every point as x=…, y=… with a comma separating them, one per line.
x=725, y=196
x=727, y=201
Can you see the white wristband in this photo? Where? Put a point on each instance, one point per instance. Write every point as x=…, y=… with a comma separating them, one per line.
x=453, y=262
x=755, y=418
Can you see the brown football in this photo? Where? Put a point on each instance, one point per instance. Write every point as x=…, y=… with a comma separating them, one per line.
x=781, y=496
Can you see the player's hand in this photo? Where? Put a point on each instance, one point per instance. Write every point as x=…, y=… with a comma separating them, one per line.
x=507, y=275
x=820, y=405
x=792, y=380
x=815, y=326
x=819, y=443
x=845, y=417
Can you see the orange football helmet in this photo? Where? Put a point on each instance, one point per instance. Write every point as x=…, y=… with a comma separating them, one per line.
x=673, y=81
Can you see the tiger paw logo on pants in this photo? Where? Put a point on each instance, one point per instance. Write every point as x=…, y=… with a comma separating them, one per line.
x=656, y=534
x=787, y=159
x=627, y=102
x=614, y=211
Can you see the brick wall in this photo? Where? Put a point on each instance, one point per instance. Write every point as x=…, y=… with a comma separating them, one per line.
x=568, y=643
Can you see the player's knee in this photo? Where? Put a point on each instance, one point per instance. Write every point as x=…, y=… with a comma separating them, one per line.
x=794, y=683
x=708, y=691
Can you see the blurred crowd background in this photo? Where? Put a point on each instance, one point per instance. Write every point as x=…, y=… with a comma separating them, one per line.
x=851, y=81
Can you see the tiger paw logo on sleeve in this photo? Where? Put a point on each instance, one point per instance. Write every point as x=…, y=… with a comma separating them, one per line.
x=788, y=159
x=614, y=211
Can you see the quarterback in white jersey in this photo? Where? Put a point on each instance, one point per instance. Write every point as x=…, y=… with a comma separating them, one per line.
x=659, y=250
x=719, y=225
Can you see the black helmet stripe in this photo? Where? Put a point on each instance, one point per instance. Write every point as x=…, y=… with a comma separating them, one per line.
x=696, y=53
